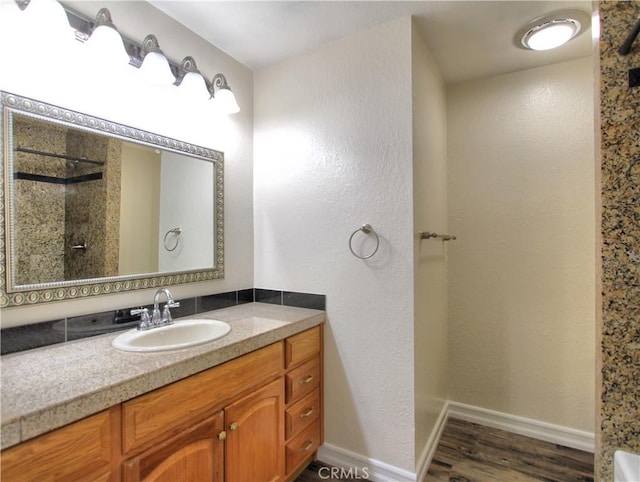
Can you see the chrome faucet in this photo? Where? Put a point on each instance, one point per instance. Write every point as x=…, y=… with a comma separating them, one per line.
x=156, y=319
x=165, y=319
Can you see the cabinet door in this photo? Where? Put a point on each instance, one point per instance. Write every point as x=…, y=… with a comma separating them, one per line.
x=196, y=455
x=255, y=436
x=80, y=451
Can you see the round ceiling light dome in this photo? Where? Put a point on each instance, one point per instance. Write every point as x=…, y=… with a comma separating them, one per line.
x=553, y=30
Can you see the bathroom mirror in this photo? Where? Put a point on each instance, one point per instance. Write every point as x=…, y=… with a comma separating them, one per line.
x=93, y=207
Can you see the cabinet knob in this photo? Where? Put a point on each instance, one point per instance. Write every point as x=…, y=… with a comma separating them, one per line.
x=233, y=426
x=222, y=435
x=307, y=446
x=307, y=379
x=307, y=413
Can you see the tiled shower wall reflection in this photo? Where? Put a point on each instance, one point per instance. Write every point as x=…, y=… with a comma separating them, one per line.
x=619, y=397
x=93, y=207
x=39, y=206
x=61, y=203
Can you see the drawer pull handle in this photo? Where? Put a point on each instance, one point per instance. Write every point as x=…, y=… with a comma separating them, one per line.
x=233, y=426
x=307, y=446
x=306, y=379
x=307, y=413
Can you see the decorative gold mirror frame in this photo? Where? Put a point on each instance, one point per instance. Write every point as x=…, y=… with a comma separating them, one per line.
x=65, y=290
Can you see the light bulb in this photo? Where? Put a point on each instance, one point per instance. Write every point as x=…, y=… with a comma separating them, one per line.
x=550, y=36
x=193, y=87
x=155, y=69
x=106, y=47
x=225, y=101
x=49, y=19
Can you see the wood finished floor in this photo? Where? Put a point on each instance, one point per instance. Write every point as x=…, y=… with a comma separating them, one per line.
x=471, y=452
x=468, y=452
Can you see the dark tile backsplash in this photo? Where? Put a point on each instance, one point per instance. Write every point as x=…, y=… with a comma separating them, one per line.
x=268, y=296
x=216, y=302
x=26, y=337
x=304, y=300
x=245, y=296
x=99, y=324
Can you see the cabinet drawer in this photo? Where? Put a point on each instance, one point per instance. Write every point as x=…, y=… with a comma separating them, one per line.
x=302, y=446
x=302, y=346
x=302, y=380
x=301, y=414
x=164, y=412
x=79, y=451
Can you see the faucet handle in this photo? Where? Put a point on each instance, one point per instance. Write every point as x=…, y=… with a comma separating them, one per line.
x=145, y=321
x=166, y=315
x=173, y=304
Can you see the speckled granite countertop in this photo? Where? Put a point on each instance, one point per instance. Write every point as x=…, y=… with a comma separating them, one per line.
x=47, y=388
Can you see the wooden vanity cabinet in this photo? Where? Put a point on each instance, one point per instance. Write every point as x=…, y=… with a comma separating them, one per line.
x=196, y=455
x=163, y=413
x=303, y=397
x=248, y=392
x=255, y=418
x=81, y=451
x=255, y=436
x=243, y=442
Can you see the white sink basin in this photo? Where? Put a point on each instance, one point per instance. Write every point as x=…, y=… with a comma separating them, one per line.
x=181, y=334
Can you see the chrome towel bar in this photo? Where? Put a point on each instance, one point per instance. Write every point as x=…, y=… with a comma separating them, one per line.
x=444, y=237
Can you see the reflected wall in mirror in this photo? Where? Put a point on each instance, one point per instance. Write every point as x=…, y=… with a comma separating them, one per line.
x=94, y=207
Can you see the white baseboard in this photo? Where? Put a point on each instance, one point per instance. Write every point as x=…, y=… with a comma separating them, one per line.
x=362, y=467
x=432, y=444
x=378, y=471
x=557, y=434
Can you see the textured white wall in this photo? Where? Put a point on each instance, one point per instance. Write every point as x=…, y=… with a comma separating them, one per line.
x=187, y=197
x=430, y=256
x=82, y=86
x=522, y=272
x=333, y=151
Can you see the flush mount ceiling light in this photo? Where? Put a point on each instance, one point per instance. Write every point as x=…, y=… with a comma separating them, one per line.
x=553, y=30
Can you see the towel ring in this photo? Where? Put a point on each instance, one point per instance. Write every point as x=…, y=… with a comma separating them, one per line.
x=177, y=232
x=365, y=228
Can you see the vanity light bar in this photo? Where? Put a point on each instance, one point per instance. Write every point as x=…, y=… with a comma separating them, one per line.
x=83, y=27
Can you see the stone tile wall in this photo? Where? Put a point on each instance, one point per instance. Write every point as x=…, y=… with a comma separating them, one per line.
x=92, y=211
x=39, y=206
x=619, y=331
x=51, y=216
